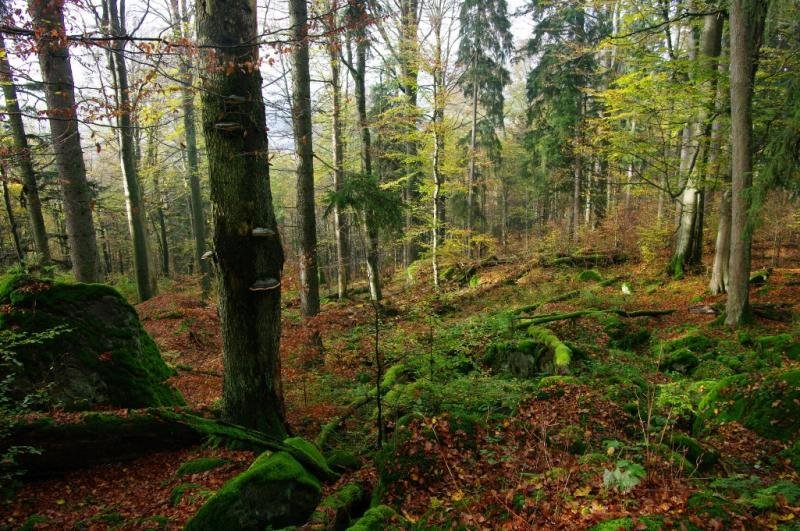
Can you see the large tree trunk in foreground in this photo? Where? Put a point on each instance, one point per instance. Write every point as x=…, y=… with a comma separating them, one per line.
x=304, y=154
x=22, y=154
x=180, y=30
x=59, y=89
x=134, y=203
x=247, y=245
x=747, y=27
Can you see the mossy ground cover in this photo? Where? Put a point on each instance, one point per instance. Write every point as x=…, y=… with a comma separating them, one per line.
x=468, y=443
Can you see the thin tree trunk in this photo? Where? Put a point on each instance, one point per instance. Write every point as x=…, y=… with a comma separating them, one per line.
x=304, y=153
x=125, y=129
x=437, y=124
x=338, y=158
x=719, y=271
x=473, y=136
x=409, y=72
x=161, y=200
x=30, y=189
x=59, y=89
x=198, y=221
x=12, y=219
x=247, y=246
x=746, y=29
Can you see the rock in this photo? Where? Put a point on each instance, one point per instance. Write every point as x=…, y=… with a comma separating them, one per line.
x=769, y=406
x=682, y=361
x=275, y=491
x=337, y=510
x=100, y=355
x=308, y=454
x=379, y=518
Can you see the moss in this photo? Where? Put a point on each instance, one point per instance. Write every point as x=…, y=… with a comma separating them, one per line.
x=561, y=354
x=182, y=489
x=202, y=464
x=629, y=523
x=104, y=357
x=336, y=510
x=310, y=456
x=275, y=491
x=557, y=379
x=695, y=453
x=379, y=518
x=682, y=361
x=770, y=407
x=792, y=454
x=590, y=275
x=712, y=506
x=695, y=343
x=343, y=461
x=710, y=369
x=624, y=334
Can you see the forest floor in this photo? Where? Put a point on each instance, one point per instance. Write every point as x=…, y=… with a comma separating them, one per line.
x=470, y=444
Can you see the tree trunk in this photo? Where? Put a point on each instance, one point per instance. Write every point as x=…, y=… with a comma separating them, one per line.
x=198, y=220
x=577, y=177
x=161, y=200
x=125, y=129
x=372, y=240
x=304, y=154
x=409, y=72
x=437, y=124
x=746, y=29
x=338, y=159
x=30, y=189
x=12, y=219
x=247, y=245
x=473, y=135
x=59, y=89
x=719, y=271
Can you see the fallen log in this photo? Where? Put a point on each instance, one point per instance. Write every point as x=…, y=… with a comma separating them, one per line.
x=562, y=316
x=102, y=438
x=561, y=298
x=585, y=260
x=773, y=312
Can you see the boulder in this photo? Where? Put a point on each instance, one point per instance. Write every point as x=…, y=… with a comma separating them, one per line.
x=90, y=348
x=275, y=492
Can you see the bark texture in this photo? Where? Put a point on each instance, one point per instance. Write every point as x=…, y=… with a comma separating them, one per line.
x=249, y=261
x=59, y=89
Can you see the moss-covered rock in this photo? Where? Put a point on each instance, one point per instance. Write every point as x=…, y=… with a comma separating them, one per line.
x=337, y=510
x=200, y=465
x=310, y=456
x=379, y=518
x=697, y=455
x=590, y=275
x=275, y=491
x=542, y=352
x=711, y=369
x=624, y=334
x=695, y=343
x=102, y=356
x=343, y=461
x=682, y=361
x=770, y=406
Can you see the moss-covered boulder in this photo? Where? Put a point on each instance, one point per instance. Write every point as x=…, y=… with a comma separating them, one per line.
x=100, y=354
x=770, y=406
x=310, y=456
x=337, y=510
x=275, y=491
x=540, y=353
x=682, y=361
x=379, y=518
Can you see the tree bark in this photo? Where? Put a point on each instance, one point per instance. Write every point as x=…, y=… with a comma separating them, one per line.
x=337, y=145
x=719, y=271
x=409, y=72
x=12, y=219
x=180, y=30
x=437, y=125
x=304, y=155
x=247, y=245
x=473, y=135
x=30, y=189
x=59, y=89
x=746, y=28
x=134, y=203
x=161, y=200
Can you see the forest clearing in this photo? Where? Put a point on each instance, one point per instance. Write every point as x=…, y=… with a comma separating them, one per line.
x=400, y=264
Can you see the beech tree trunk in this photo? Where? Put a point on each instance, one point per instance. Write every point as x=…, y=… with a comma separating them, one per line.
x=304, y=153
x=409, y=72
x=59, y=90
x=198, y=220
x=473, y=136
x=247, y=246
x=337, y=145
x=12, y=219
x=437, y=124
x=746, y=29
x=125, y=131
x=30, y=189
